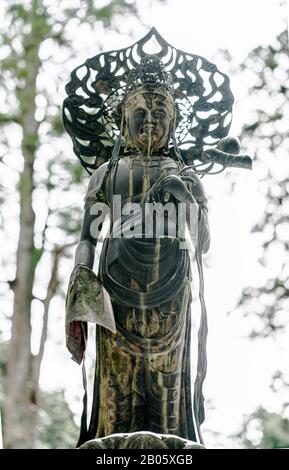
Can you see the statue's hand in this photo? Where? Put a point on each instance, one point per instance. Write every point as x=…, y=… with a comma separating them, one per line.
x=174, y=185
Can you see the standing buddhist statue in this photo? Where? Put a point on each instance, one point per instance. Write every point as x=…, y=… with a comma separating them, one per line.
x=143, y=125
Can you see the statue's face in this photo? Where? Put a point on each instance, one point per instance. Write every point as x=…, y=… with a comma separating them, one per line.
x=148, y=120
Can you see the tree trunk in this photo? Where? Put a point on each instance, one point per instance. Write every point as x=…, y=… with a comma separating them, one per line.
x=18, y=401
x=20, y=404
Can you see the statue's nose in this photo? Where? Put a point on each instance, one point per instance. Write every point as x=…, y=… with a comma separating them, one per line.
x=148, y=118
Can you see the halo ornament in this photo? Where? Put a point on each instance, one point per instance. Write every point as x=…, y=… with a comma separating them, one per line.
x=92, y=109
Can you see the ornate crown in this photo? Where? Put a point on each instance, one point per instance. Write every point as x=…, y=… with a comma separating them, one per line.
x=152, y=76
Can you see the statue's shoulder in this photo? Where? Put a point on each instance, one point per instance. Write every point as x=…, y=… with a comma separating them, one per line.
x=95, y=190
x=97, y=178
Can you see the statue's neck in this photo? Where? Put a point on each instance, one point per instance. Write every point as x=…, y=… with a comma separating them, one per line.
x=147, y=156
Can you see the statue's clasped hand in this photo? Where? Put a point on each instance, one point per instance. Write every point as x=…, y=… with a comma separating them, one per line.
x=173, y=185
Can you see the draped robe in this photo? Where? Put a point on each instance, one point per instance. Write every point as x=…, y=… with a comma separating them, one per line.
x=146, y=376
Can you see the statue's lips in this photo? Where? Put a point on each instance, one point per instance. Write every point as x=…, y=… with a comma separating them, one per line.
x=148, y=131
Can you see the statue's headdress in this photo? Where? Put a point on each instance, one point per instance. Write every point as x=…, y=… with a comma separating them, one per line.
x=201, y=93
x=150, y=74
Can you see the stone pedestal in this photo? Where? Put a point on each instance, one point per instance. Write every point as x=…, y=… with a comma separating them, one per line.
x=141, y=440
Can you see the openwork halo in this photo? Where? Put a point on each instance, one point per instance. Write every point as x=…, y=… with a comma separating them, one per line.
x=97, y=87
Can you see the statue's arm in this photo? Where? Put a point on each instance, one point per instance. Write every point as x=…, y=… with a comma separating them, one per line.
x=84, y=286
x=199, y=195
x=85, y=251
x=196, y=204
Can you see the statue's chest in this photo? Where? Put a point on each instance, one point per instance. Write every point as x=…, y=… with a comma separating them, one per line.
x=134, y=177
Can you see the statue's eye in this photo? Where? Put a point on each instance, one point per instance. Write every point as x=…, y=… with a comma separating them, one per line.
x=139, y=112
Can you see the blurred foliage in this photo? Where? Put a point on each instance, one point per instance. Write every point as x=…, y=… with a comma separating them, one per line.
x=264, y=430
x=56, y=428
x=266, y=134
x=3, y=369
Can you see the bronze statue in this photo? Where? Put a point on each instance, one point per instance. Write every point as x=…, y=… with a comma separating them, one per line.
x=139, y=122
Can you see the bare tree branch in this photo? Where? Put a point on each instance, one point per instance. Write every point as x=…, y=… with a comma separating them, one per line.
x=51, y=291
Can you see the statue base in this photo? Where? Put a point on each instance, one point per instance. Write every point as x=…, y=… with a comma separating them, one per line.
x=141, y=440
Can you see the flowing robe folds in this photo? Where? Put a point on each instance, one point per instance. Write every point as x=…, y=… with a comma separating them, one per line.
x=150, y=337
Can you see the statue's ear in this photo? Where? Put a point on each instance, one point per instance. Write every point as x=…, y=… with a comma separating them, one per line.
x=125, y=132
x=118, y=114
x=125, y=127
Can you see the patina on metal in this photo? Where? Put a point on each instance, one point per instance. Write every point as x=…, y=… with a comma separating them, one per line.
x=143, y=124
